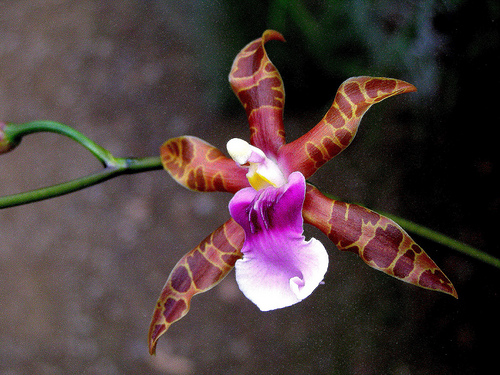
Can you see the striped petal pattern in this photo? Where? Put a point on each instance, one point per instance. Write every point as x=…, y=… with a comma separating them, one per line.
x=339, y=126
x=197, y=271
x=379, y=241
x=258, y=85
x=199, y=166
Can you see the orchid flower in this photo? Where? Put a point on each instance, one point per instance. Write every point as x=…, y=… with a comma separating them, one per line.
x=275, y=266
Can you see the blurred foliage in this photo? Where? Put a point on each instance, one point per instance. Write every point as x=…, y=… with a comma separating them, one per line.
x=329, y=41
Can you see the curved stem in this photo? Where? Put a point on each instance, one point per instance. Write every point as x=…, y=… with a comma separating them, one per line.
x=112, y=166
x=17, y=131
x=138, y=165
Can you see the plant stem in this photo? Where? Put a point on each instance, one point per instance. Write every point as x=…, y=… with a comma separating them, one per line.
x=121, y=167
x=17, y=131
x=113, y=167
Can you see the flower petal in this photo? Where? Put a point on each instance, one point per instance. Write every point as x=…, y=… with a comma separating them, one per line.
x=340, y=124
x=200, y=166
x=258, y=85
x=379, y=241
x=198, y=271
x=279, y=268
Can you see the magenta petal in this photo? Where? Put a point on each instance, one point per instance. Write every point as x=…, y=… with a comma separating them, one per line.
x=279, y=268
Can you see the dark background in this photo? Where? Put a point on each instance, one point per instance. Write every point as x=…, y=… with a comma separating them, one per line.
x=80, y=274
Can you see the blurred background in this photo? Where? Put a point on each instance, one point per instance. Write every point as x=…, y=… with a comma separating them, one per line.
x=80, y=274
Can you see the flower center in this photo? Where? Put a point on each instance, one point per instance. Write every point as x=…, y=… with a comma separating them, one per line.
x=262, y=171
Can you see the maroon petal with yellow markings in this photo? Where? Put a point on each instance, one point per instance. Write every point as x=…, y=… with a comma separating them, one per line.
x=198, y=271
x=340, y=124
x=273, y=166
x=200, y=166
x=258, y=85
x=379, y=241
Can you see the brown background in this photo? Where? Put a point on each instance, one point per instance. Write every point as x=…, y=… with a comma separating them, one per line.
x=80, y=274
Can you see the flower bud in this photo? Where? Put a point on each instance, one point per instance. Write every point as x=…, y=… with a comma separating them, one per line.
x=6, y=141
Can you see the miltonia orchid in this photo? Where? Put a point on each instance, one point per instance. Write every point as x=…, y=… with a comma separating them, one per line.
x=263, y=239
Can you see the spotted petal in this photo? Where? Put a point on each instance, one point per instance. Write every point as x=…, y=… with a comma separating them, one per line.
x=340, y=124
x=198, y=271
x=279, y=268
x=200, y=166
x=379, y=241
x=258, y=85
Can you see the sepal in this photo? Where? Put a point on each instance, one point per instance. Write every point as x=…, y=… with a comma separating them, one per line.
x=339, y=126
x=259, y=87
x=197, y=271
x=199, y=166
x=379, y=241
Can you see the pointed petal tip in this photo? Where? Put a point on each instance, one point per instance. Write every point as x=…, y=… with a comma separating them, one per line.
x=272, y=35
x=449, y=289
x=152, y=344
x=431, y=277
x=152, y=348
x=156, y=329
x=443, y=286
x=406, y=87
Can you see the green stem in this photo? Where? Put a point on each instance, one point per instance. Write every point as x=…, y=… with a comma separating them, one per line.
x=121, y=167
x=113, y=167
x=16, y=132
